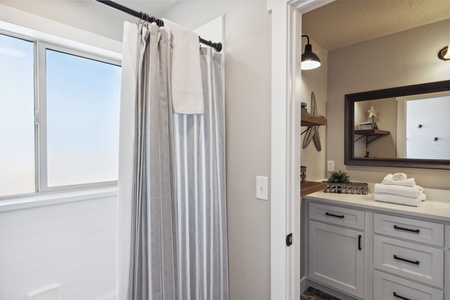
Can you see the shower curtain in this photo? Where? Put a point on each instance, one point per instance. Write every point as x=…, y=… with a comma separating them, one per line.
x=172, y=237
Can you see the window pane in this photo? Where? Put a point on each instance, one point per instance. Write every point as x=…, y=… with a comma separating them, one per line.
x=17, y=161
x=82, y=119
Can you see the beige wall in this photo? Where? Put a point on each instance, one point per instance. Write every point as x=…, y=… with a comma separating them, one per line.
x=247, y=90
x=399, y=59
x=315, y=81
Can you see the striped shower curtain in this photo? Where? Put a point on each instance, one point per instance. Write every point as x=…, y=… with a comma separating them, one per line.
x=200, y=191
x=172, y=237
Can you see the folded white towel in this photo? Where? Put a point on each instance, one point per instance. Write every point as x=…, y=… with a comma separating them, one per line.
x=187, y=89
x=407, y=182
x=399, y=176
x=399, y=199
x=405, y=191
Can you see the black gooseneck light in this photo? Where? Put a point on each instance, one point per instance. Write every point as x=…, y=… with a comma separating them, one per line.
x=309, y=59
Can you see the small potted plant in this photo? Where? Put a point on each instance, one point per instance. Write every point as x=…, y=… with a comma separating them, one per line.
x=339, y=177
x=338, y=180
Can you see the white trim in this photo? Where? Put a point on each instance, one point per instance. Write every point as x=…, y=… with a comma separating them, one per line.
x=279, y=160
x=37, y=200
x=285, y=146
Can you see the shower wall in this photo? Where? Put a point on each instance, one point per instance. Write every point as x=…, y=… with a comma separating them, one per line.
x=72, y=245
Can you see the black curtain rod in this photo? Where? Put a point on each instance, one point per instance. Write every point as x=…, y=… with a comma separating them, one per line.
x=143, y=16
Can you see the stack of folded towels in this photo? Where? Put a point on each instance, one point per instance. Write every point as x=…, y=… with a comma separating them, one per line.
x=397, y=188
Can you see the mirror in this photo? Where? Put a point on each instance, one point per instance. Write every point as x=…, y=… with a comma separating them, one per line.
x=404, y=126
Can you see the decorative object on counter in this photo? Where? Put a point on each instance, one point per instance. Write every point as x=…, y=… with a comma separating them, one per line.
x=303, y=173
x=339, y=177
x=339, y=182
x=399, y=179
x=372, y=116
x=304, y=109
x=313, y=134
x=357, y=188
x=399, y=189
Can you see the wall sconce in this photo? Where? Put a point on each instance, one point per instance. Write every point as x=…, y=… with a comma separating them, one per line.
x=309, y=59
x=444, y=54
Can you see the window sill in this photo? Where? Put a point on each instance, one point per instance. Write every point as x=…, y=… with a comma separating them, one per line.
x=37, y=200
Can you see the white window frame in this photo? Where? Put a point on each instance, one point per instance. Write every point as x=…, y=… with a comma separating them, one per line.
x=41, y=117
x=43, y=41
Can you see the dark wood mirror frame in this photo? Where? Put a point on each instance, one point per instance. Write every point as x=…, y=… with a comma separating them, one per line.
x=349, y=148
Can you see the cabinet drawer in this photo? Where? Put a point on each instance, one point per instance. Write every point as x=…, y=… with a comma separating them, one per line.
x=337, y=215
x=409, y=229
x=412, y=261
x=388, y=287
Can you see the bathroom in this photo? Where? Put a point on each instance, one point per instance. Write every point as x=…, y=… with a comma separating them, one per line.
x=251, y=42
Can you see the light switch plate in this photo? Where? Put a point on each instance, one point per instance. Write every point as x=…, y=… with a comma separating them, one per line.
x=262, y=188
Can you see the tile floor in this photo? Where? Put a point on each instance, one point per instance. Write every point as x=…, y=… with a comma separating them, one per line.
x=315, y=294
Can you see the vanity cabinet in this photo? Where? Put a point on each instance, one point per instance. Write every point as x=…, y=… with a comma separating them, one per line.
x=362, y=249
x=336, y=252
x=408, y=258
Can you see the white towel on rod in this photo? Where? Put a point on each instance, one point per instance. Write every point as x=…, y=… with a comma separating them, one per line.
x=407, y=182
x=187, y=88
x=399, y=199
x=405, y=191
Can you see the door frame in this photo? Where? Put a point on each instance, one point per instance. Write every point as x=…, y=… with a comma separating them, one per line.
x=285, y=145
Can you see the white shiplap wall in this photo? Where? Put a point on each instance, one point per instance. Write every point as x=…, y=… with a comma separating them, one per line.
x=71, y=244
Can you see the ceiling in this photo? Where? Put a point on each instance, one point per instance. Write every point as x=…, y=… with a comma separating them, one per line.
x=152, y=8
x=346, y=22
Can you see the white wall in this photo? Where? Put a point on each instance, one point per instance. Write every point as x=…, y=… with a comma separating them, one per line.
x=70, y=244
x=247, y=91
x=396, y=60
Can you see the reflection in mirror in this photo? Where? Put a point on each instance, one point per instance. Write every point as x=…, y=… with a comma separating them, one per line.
x=415, y=126
x=406, y=126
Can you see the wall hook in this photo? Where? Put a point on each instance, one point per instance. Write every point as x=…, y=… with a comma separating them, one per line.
x=435, y=139
x=420, y=126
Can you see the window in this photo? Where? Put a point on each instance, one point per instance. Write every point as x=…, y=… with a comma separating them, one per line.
x=59, y=118
x=17, y=167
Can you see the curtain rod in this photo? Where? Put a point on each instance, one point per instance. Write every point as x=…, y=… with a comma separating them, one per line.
x=140, y=15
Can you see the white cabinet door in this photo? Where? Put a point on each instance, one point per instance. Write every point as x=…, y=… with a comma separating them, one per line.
x=336, y=257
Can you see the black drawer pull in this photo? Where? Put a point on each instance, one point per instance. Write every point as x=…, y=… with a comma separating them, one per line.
x=406, y=229
x=401, y=297
x=336, y=216
x=359, y=242
x=407, y=260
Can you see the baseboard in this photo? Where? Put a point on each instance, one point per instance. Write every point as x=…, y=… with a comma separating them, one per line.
x=306, y=283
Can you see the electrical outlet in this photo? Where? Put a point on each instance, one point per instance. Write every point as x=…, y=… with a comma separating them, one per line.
x=330, y=166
